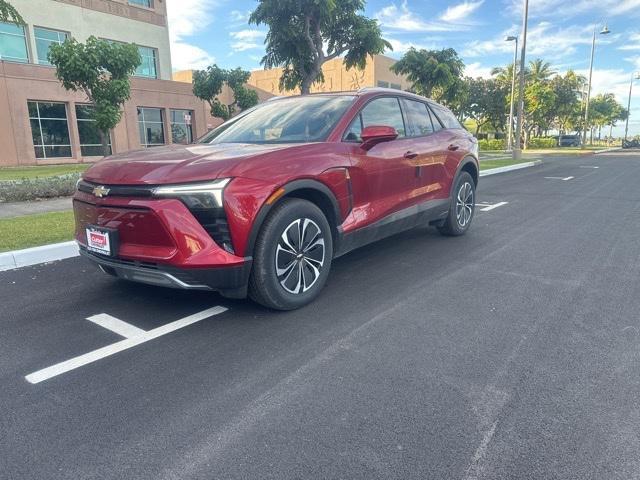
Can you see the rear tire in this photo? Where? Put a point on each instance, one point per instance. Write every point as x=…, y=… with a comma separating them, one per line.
x=292, y=256
x=462, y=208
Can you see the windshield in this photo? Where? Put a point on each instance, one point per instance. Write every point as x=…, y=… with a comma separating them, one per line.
x=288, y=120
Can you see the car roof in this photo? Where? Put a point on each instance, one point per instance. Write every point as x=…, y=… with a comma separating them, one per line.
x=363, y=92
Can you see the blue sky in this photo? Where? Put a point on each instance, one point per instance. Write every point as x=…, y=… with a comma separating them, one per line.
x=560, y=31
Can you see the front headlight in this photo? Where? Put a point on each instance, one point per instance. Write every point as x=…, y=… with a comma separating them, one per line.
x=205, y=193
x=205, y=202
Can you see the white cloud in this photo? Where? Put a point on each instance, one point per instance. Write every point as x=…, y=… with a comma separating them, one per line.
x=401, y=47
x=562, y=8
x=632, y=42
x=247, y=40
x=460, y=12
x=543, y=40
x=402, y=19
x=475, y=70
x=186, y=18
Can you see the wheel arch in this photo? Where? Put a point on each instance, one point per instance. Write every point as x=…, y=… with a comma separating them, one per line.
x=306, y=189
x=470, y=165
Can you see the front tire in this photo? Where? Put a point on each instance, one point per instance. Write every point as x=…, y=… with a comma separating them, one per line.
x=462, y=209
x=292, y=256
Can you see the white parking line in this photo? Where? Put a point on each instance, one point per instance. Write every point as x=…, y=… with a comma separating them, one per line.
x=588, y=166
x=560, y=178
x=129, y=342
x=116, y=325
x=486, y=207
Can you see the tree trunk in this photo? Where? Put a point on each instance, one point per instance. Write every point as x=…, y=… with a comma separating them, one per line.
x=105, y=143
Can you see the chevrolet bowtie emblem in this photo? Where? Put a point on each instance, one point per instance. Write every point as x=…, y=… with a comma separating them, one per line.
x=100, y=191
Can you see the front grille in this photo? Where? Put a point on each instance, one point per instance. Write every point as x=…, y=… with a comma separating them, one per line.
x=213, y=219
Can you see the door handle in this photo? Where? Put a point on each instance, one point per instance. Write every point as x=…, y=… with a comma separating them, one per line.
x=453, y=148
x=410, y=155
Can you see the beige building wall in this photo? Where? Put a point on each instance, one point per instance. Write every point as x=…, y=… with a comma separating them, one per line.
x=20, y=83
x=337, y=78
x=108, y=19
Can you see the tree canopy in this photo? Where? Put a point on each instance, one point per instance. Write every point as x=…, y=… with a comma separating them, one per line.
x=8, y=13
x=101, y=70
x=207, y=85
x=431, y=72
x=304, y=34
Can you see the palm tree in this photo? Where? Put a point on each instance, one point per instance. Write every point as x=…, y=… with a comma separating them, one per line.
x=540, y=71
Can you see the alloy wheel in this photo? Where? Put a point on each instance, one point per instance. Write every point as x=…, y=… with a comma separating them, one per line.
x=300, y=255
x=465, y=204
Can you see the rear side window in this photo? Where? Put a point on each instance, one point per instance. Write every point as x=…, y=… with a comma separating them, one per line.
x=379, y=112
x=419, y=119
x=447, y=118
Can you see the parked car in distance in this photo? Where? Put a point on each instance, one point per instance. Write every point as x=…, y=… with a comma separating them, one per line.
x=569, y=140
x=262, y=204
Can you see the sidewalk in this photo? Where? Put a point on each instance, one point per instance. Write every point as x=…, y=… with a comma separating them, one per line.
x=16, y=209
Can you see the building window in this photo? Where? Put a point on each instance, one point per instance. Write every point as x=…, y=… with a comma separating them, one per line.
x=46, y=37
x=383, y=84
x=151, y=126
x=49, y=129
x=148, y=67
x=13, y=43
x=90, y=142
x=142, y=3
x=395, y=86
x=181, y=130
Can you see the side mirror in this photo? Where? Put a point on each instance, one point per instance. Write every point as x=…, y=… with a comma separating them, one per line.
x=375, y=134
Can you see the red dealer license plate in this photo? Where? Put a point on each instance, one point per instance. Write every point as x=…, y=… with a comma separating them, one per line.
x=99, y=241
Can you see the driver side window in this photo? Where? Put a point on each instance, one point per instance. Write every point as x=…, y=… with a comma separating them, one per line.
x=379, y=112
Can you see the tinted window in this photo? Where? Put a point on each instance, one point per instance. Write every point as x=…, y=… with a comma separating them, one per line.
x=49, y=129
x=148, y=66
x=419, y=121
x=288, y=120
x=446, y=117
x=379, y=112
x=90, y=141
x=13, y=45
x=46, y=37
x=150, y=126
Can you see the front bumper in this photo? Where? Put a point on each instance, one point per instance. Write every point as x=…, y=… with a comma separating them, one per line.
x=231, y=280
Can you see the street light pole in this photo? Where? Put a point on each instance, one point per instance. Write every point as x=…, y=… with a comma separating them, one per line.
x=604, y=31
x=513, y=90
x=634, y=76
x=517, y=151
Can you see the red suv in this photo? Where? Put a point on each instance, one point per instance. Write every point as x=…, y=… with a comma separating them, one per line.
x=265, y=202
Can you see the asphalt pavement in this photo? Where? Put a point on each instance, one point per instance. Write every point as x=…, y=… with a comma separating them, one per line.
x=511, y=352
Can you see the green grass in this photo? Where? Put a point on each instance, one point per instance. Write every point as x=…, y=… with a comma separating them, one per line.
x=35, y=230
x=18, y=173
x=487, y=164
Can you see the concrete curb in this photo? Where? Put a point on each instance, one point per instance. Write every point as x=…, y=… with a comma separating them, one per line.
x=36, y=255
x=614, y=149
x=509, y=168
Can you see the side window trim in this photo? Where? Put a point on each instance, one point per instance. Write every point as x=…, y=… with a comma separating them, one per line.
x=359, y=115
x=429, y=116
x=434, y=114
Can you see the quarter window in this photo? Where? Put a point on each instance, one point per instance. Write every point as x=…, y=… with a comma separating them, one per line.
x=148, y=68
x=44, y=39
x=151, y=126
x=13, y=43
x=447, y=118
x=90, y=141
x=419, y=120
x=379, y=112
x=49, y=129
x=181, y=131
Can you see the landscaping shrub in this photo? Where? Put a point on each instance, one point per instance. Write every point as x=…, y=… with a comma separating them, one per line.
x=491, y=145
x=37, y=188
x=542, y=142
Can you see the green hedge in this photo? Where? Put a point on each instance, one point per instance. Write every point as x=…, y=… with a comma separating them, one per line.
x=37, y=188
x=542, y=142
x=491, y=145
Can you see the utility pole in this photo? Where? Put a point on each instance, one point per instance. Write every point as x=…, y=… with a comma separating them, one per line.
x=517, y=151
x=513, y=90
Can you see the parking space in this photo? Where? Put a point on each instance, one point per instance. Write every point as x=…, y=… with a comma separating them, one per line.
x=493, y=355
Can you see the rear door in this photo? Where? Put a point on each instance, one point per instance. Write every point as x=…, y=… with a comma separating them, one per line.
x=429, y=153
x=383, y=178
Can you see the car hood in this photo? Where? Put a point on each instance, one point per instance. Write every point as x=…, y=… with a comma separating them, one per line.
x=175, y=163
